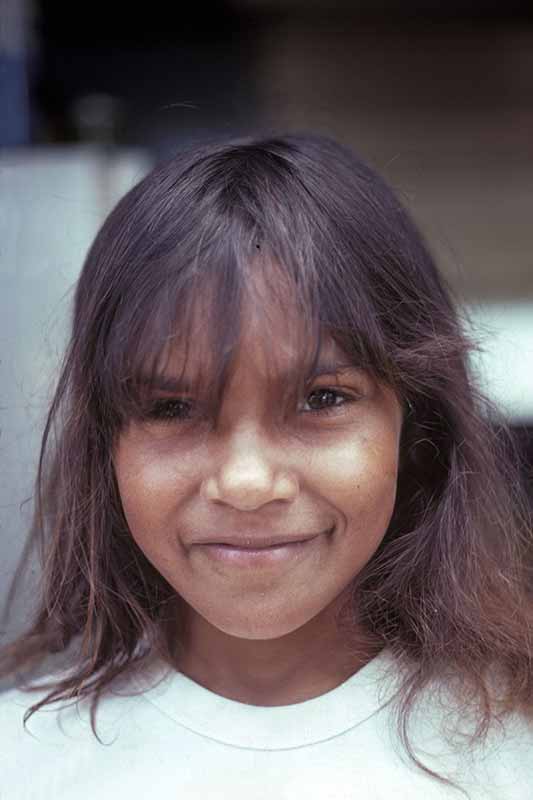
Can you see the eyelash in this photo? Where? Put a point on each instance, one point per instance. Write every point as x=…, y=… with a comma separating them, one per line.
x=167, y=410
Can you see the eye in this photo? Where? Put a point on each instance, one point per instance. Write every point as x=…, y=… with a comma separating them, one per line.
x=323, y=401
x=169, y=409
x=327, y=399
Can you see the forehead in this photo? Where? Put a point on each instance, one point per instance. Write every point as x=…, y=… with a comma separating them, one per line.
x=272, y=339
x=272, y=358
x=270, y=348
x=238, y=315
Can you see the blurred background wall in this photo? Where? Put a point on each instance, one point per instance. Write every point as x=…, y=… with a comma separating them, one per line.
x=438, y=96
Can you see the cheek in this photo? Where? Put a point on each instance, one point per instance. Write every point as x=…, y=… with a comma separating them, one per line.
x=151, y=477
x=359, y=479
x=148, y=490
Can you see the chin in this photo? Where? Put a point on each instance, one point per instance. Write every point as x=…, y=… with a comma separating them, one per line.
x=259, y=629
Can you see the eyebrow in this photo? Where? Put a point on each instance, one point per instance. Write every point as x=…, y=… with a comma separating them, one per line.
x=170, y=384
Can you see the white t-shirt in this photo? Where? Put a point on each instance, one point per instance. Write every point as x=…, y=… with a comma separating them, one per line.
x=177, y=739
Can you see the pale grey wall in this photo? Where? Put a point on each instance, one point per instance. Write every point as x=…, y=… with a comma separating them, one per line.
x=52, y=203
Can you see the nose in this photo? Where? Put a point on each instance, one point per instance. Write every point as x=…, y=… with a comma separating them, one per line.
x=249, y=473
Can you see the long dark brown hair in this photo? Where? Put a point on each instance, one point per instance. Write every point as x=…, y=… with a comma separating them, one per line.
x=447, y=590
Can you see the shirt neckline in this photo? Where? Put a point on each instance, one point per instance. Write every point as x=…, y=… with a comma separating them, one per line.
x=231, y=722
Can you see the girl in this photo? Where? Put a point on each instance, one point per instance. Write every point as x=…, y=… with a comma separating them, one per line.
x=279, y=526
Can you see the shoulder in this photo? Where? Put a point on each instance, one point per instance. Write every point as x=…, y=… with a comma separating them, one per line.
x=21, y=730
x=444, y=731
x=22, y=745
x=503, y=761
x=56, y=744
x=497, y=765
x=58, y=724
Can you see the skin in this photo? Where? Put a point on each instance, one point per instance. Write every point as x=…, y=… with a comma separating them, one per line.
x=266, y=636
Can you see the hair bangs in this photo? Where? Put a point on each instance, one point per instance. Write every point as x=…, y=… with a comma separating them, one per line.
x=258, y=240
x=179, y=328
x=326, y=262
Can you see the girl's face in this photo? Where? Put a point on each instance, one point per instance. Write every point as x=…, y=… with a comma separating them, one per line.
x=326, y=469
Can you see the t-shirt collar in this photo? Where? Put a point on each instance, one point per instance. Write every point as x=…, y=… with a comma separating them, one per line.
x=198, y=709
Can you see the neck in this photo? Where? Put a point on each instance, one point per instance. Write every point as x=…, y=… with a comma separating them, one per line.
x=298, y=666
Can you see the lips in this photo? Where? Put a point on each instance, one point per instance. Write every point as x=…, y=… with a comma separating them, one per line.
x=253, y=545
x=257, y=542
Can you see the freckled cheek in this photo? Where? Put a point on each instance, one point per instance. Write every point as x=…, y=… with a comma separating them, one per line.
x=360, y=480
